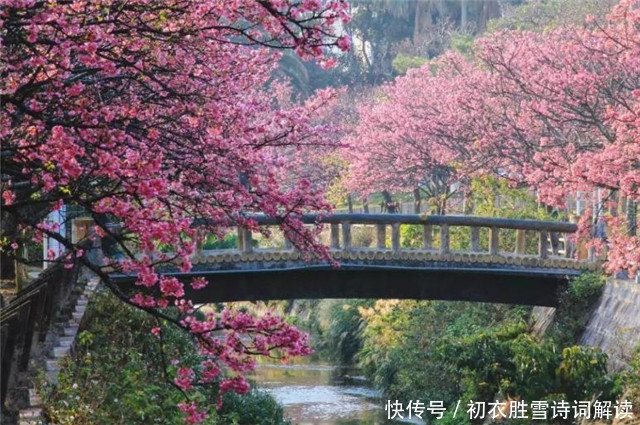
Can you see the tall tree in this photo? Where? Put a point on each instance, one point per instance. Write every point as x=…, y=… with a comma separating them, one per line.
x=557, y=112
x=402, y=141
x=154, y=114
x=561, y=115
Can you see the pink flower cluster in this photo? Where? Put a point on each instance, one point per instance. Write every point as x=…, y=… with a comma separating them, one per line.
x=557, y=111
x=194, y=414
x=184, y=378
x=158, y=127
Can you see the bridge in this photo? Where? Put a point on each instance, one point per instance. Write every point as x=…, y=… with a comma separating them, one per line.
x=42, y=320
x=482, y=271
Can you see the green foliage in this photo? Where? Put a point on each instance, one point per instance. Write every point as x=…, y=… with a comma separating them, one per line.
x=489, y=197
x=547, y=15
x=363, y=236
x=576, y=301
x=462, y=43
x=630, y=381
x=448, y=419
x=402, y=63
x=493, y=197
x=509, y=362
x=212, y=242
x=121, y=375
x=582, y=374
x=411, y=236
x=254, y=408
x=344, y=339
x=401, y=339
x=433, y=350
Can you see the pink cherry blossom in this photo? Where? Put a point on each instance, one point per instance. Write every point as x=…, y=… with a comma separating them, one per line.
x=171, y=287
x=156, y=118
x=558, y=112
x=194, y=414
x=199, y=283
x=184, y=378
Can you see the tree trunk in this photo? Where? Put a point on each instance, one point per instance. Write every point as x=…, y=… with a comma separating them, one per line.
x=422, y=19
x=463, y=15
x=632, y=217
x=7, y=264
x=615, y=199
x=365, y=205
x=442, y=201
x=490, y=9
x=417, y=201
x=350, y=203
x=388, y=200
x=467, y=203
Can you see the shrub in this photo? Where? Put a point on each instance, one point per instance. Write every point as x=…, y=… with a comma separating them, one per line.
x=212, y=242
x=362, y=236
x=121, y=375
x=630, y=381
x=509, y=362
x=344, y=339
x=576, y=302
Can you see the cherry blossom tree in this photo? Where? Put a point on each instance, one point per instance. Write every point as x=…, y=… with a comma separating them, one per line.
x=155, y=115
x=557, y=112
x=404, y=141
x=561, y=113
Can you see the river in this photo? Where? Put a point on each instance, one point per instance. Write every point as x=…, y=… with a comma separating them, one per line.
x=320, y=394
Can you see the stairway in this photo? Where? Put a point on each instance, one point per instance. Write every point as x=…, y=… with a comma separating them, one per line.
x=61, y=340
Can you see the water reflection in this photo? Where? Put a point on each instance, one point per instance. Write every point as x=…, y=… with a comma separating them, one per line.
x=316, y=394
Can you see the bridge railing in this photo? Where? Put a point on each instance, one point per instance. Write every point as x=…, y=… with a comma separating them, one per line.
x=549, y=233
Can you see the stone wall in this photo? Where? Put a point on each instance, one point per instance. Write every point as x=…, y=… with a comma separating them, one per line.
x=614, y=324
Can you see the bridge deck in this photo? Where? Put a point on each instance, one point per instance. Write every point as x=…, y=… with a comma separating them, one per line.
x=250, y=274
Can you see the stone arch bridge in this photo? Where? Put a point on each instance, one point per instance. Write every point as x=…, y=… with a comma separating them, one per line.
x=538, y=265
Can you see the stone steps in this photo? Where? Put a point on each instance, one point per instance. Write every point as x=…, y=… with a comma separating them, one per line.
x=30, y=416
x=61, y=351
x=62, y=339
x=52, y=365
x=65, y=341
x=34, y=398
x=70, y=330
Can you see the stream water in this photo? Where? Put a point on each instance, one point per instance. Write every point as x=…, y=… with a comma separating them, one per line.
x=318, y=394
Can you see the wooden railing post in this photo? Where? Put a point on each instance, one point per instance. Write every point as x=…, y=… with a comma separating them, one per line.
x=381, y=236
x=544, y=244
x=444, y=239
x=346, y=235
x=427, y=236
x=335, y=236
x=520, y=241
x=494, y=240
x=395, y=237
x=475, y=239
